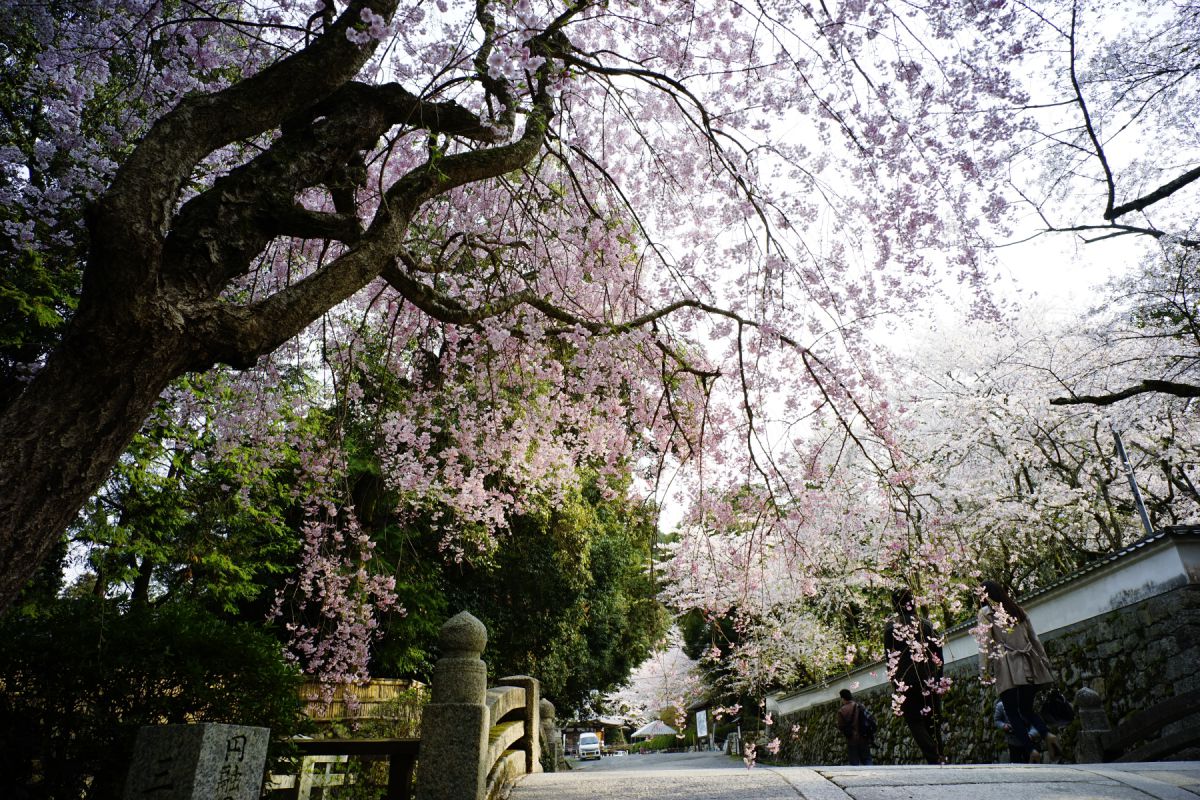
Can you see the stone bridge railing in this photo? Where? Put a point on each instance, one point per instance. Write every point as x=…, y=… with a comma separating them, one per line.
x=474, y=743
x=476, y=740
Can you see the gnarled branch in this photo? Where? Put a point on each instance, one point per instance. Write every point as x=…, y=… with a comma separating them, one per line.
x=304, y=223
x=1161, y=193
x=147, y=186
x=1162, y=387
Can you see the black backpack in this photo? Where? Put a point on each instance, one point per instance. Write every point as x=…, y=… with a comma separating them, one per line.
x=1056, y=709
x=867, y=723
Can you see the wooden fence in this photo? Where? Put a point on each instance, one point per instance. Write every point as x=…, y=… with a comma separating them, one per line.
x=382, y=698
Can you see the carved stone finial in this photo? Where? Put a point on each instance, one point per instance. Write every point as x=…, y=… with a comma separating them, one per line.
x=463, y=636
x=1087, y=698
x=547, y=710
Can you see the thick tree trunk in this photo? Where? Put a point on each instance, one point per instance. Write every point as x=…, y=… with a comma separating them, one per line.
x=141, y=582
x=60, y=438
x=151, y=308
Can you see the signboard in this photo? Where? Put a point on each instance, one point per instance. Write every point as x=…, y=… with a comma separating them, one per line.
x=701, y=724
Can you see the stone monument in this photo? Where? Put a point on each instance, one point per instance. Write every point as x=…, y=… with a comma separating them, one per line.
x=1093, y=725
x=205, y=761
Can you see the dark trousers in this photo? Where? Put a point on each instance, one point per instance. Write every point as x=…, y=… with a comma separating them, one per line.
x=1018, y=754
x=926, y=729
x=1018, y=709
x=859, y=754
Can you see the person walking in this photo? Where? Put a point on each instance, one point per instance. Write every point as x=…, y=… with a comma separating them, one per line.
x=852, y=721
x=914, y=661
x=1012, y=659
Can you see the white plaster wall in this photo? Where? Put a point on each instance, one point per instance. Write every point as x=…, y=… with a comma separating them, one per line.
x=1149, y=570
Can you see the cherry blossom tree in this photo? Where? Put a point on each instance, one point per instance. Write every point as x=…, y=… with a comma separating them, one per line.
x=233, y=222
x=1039, y=489
x=990, y=481
x=602, y=231
x=990, y=455
x=188, y=514
x=665, y=683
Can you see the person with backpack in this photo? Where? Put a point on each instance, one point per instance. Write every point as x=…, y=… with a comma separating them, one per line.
x=1021, y=749
x=858, y=726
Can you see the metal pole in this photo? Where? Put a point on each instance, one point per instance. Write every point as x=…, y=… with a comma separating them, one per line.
x=1137, y=494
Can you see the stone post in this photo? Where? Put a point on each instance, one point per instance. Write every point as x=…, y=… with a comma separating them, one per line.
x=531, y=743
x=454, y=726
x=551, y=738
x=1093, y=725
x=204, y=761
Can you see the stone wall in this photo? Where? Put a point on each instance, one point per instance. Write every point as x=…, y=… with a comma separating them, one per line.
x=1134, y=657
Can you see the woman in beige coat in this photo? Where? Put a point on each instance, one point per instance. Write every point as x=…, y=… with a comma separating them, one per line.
x=1012, y=658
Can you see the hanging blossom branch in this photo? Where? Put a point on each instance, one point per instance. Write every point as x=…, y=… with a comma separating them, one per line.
x=447, y=309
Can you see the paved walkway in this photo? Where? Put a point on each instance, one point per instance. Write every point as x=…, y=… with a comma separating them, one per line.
x=704, y=776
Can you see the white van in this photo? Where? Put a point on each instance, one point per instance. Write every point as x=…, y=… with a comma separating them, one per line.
x=589, y=746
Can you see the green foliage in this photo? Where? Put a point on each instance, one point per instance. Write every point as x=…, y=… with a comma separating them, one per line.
x=83, y=675
x=33, y=300
x=47, y=583
x=666, y=741
x=410, y=554
x=566, y=592
x=180, y=517
x=399, y=718
x=567, y=596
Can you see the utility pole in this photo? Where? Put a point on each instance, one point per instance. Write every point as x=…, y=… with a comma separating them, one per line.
x=1128, y=469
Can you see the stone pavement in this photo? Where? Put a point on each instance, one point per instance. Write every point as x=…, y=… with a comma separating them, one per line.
x=703, y=777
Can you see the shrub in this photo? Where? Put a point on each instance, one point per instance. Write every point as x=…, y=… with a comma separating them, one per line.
x=666, y=741
x=81, y=676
